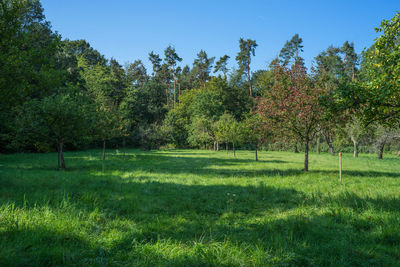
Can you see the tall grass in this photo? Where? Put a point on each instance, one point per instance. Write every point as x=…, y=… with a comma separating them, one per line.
x=198, y=208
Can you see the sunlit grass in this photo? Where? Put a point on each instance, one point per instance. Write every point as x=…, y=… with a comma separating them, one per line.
x=197, y=208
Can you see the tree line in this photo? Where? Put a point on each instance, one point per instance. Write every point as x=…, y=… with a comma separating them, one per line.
x=59, y=94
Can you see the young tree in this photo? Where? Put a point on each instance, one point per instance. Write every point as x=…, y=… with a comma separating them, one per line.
x=293, y=106
x=355, y=130
x=58, y=119
x=107, y=125
x=228, y=130
x=247, y=49
x=256, y=131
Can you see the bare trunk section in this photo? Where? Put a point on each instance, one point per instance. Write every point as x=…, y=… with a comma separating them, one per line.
x=318, y=144
x=173, y=73
x=61, y=161
x=306, y=146
x=167, y=95
x=380, y=149
x=329, y=141
x=226, y=146
x=256, y=152
x=234, y=151
x=248, y=77
x=179, y=89
x=331, y=149
x=355, y=146
x=217, y=146
x=296, y=150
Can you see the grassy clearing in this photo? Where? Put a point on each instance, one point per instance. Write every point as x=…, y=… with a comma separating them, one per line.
x=198, y=208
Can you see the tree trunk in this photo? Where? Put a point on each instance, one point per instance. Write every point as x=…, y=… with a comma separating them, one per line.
x=331, y=149
x=217, y=146
x=328, y=140
x=179, y=90
x=234, y=152
x=256, y=154
x=380, y=150
x=355, y=146
x=306, y=156
x=167, y=95
x=248, y=77
x=104, y=149
x=173, y=73
x=295, y=149
x=226, y=146
x=61, y=155
x=318, y=144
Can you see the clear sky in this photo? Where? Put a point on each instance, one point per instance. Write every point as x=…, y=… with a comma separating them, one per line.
x=128, y=30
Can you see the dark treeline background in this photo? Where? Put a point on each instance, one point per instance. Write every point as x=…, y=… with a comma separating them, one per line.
x=61, y=94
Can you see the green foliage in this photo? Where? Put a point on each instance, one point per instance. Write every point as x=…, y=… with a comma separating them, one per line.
x=291, y=50
x=28, y=59
x=201, y=68
x=220, y=65
x=60, y=118
x=381, y=68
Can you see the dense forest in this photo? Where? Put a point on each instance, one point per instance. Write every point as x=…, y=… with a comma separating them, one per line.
x=59, y=94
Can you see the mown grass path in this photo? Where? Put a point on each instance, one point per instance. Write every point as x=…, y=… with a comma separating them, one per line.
x=198, y=208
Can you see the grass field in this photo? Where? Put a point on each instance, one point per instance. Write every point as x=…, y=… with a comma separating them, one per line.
x=198, y=208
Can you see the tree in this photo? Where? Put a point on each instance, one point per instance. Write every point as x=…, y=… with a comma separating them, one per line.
x=380, y=92
x=29, y=64
x=202, y=67
x=384, y=135
x=355, y=130
x=161, y=72
x=247, y=49
x=227, y=129
x=107, y=125
x=256, y=131
x=156, y=61
x=330, y=74
x=221, y=65
x=58, y=119
x=290, y=52
x=171, y=57
x=136, y=74
x=292, y=106
x=201, y=132
x=350, y=60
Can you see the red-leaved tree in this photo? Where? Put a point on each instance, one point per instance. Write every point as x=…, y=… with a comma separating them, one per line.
x=292, y=106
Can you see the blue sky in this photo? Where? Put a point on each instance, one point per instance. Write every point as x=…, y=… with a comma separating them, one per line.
x=129, y=30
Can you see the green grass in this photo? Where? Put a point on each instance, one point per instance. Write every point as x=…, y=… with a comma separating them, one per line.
x=198, y=208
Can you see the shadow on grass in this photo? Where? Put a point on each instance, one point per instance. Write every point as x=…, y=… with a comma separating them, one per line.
x=244, y=216
x=173, y=164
